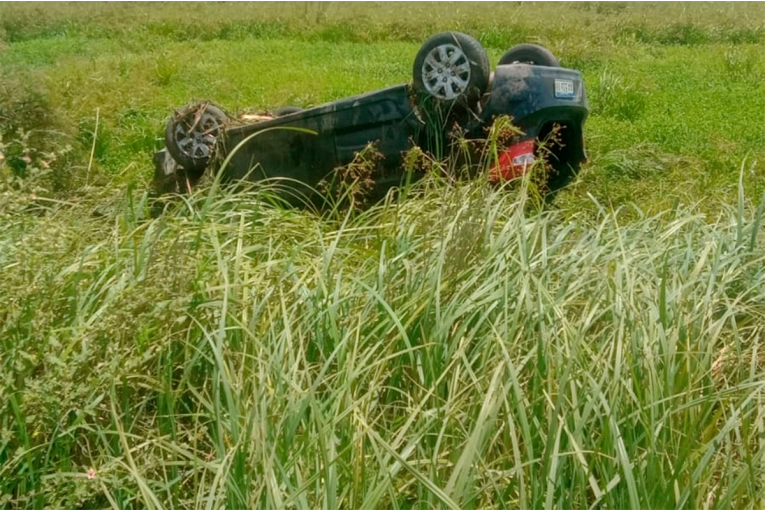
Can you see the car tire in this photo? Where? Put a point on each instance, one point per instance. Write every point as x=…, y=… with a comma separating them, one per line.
x=451, y=69
x=287, y=110
x=529, y=54
x=192, y=135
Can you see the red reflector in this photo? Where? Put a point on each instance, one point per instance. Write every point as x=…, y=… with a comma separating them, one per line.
x=513, y=162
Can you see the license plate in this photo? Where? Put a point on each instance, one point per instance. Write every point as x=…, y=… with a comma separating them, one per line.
x=564, y=89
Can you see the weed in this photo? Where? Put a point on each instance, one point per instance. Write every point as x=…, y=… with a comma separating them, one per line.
x=615, y=98
x=352, y=183
x=603, y=8
x=25, y=110
x=166, y=71
x=742, y=67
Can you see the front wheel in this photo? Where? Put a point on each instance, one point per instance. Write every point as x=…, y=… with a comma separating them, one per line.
x=192, y=135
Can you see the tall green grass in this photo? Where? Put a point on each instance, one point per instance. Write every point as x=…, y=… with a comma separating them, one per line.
x=462, y=349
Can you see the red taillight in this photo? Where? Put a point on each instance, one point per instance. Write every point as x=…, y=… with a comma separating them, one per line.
x=513, y=162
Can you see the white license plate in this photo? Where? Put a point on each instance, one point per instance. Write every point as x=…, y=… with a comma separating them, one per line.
x=564, y=89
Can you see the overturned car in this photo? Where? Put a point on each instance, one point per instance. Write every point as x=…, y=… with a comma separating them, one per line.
x=452, y=87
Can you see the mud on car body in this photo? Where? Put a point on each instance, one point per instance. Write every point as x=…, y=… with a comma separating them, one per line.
x=451, y=85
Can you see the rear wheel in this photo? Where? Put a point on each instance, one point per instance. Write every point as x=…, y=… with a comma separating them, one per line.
x=451, y=69
x=529, y=54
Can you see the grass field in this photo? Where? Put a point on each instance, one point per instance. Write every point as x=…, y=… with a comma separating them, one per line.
x=466, y=348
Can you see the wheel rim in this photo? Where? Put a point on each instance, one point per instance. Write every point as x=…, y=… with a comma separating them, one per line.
x=196, y=138
x=446, y=72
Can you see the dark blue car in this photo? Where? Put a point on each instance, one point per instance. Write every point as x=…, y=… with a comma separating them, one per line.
x=452, y=86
